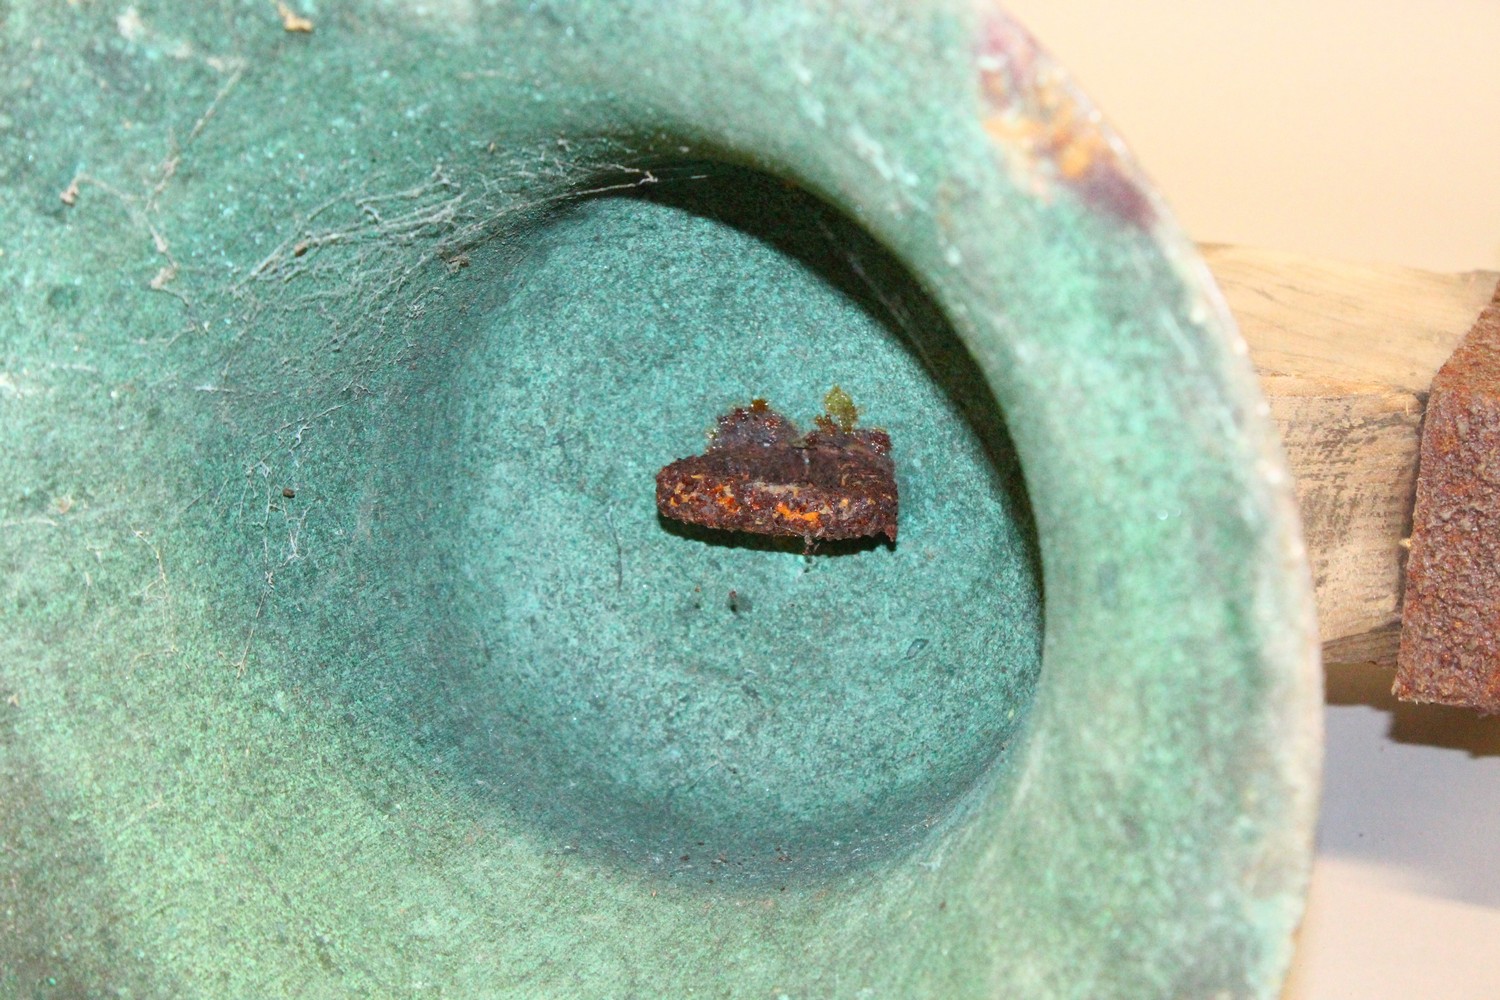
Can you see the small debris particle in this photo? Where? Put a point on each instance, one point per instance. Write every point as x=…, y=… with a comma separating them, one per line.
x=300, y=248
x=739, y=603
x=288, y=492
x=69, y=195
x=293, y=22
x=761, y=475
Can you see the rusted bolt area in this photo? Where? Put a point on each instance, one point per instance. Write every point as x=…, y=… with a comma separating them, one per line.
x=1450, y=626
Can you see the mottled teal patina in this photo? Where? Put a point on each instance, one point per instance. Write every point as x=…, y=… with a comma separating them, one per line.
x=462, y=716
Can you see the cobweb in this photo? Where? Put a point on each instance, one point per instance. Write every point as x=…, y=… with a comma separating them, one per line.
x=365, y=280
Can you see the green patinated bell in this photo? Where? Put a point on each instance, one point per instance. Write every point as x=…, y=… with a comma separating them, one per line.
x=343, y=650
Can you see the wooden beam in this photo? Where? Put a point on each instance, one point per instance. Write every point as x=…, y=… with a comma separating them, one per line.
x=1346, y=354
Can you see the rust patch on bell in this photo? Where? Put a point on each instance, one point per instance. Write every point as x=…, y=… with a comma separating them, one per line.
x=762, y=475
x=1450, y=623
x=1050, y=134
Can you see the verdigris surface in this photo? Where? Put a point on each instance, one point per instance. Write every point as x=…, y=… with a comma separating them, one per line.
x=342, y=651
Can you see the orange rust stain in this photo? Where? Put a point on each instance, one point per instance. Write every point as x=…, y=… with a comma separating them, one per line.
x=1076, y=147
x=724, y=498
x=1006, y=129
x=1048, y=122
x=1077, y=144
x=811, y=516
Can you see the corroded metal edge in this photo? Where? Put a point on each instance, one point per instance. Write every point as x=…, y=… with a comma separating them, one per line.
x=1450, y=634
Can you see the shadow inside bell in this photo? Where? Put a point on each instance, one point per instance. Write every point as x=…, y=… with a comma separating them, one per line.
x=772, y=543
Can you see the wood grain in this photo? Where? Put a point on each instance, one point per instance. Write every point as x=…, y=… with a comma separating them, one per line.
x=1346, y=353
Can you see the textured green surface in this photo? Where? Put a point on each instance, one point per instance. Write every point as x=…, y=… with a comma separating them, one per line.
x=463, y=717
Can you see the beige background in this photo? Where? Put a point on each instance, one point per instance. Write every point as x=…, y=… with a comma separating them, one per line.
x=1368, y=131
